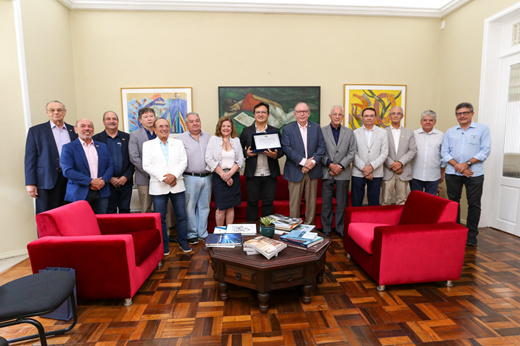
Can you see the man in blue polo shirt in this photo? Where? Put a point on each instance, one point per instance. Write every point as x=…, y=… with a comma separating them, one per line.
x=465, y=148
x=122, y=179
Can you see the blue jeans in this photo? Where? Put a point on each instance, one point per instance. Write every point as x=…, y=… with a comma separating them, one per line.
x=99, y=205
x=431, y=187
x=160, y=205
x=198, y=196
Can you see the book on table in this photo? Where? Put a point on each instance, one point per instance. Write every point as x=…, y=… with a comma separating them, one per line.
x=224, y=240
x=266, y=246
x=301, y=227
x=235, y=228
x=285, y=223
x=302, y=238
x=313, y=248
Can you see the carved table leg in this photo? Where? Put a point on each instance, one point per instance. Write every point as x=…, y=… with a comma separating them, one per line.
x=214, y=270
x=307, y=290
x=319, y=278
x=264, y=302
x=222, y=288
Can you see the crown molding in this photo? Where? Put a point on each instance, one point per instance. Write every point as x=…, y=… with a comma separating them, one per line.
x=255, y=7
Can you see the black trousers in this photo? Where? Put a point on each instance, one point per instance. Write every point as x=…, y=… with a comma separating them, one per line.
x=263, y=188
x=52, y=198
x=474, y=187
x=119, y=199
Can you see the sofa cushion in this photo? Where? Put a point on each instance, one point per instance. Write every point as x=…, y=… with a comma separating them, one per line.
x=363, y=234
x=423, y=208
x=63, y=221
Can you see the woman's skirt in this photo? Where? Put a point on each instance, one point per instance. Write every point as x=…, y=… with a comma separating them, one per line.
x=226, y=196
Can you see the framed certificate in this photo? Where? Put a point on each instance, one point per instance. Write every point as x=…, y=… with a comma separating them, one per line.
x=263, y=141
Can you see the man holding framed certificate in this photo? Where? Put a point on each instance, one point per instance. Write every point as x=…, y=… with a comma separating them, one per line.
x=262, y=149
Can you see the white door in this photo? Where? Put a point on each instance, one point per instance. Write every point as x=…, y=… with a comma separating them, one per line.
x=506, y=185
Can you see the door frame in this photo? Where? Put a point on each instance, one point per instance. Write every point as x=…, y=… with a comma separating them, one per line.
x=497, y=36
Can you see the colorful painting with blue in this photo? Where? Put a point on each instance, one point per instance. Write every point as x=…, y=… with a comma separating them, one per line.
x=171, y=104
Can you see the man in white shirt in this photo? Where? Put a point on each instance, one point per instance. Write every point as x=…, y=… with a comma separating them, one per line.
x=401, y=150
x=164, y=159
x=427, y=167
x=371, y=153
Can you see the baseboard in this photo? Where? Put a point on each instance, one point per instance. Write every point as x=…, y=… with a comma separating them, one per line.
x=13, y=254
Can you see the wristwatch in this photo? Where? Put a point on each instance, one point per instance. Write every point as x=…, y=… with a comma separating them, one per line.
x=469, y=162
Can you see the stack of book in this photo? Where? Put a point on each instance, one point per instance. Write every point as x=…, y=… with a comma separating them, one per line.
x=243, y=229
x=285, y=223
x=224, y=240
x=264, y=246
x=301, y=239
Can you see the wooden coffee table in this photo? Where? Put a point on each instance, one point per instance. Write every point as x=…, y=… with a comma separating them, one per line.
x=292, y=267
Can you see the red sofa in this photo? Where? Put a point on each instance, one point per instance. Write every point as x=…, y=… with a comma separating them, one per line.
x=402, y=244
x=112, y=254
x=281, y=203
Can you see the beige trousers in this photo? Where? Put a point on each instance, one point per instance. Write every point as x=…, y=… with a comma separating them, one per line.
x=389, y=186
x=295, y=198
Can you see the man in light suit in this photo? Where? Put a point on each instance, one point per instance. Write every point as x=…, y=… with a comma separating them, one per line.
x=164, y=159
x=262, y=169
x=303, y=144
x=397, y=168
x=44, y=179
x=340, y=152
x=88, y=166
x=122, y=181
x=135, y=148
x=372, y=150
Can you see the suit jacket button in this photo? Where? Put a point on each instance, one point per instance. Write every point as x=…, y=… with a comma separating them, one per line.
x=57, y=169
x=369, y=151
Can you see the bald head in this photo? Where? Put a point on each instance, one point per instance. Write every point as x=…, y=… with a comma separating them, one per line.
x=85, y=129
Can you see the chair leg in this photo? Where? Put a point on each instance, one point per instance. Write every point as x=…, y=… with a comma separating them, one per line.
x=128, y=302
x=41, y=332
x=159, y=265
x=449, y=283
x=381, y=288
x=347, y=255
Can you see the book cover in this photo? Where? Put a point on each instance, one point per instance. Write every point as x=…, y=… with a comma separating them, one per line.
x=223, y=240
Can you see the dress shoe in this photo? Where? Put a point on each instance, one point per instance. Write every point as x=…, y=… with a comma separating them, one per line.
x=172, y=239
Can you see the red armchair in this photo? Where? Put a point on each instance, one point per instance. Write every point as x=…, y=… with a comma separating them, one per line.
x=112, y=254
x=402, y=244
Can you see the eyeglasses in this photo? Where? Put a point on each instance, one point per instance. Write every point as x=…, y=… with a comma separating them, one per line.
x=462, y=113
x=369, y=116
x=398, y=113
x=261, y=112
x=52, y=110
x=302, y=112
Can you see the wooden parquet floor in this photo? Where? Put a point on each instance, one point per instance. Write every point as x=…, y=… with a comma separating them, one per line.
x=179, y=305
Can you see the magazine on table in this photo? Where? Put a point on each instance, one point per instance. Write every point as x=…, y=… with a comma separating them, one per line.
x=313, y=248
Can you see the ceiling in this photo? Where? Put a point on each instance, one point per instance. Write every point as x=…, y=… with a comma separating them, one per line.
x=402, y=8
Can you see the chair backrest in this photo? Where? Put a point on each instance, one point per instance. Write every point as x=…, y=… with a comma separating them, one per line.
x=72, y=219
x=282, y=189
x=423, y=208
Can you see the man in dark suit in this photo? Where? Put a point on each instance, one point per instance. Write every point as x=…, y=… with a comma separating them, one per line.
x=262, y=169
x=44, y=179
x=304, y=146
x=88, y=166
x=341, y=149
x=121, y=182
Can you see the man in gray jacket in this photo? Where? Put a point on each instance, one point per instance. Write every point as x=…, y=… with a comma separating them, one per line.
x=340, y=151
x=135, y=149
x=397, y=167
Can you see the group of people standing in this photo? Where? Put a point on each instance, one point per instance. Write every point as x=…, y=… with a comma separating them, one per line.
x=65, y=163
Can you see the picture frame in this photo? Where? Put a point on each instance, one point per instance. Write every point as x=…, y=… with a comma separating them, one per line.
x=238, y=102
x=170, y=103
x=381, y=97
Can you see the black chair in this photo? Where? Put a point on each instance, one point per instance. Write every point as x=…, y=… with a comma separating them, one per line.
x=36, y=295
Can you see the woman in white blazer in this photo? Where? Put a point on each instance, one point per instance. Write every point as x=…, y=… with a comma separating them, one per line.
x=225, y=159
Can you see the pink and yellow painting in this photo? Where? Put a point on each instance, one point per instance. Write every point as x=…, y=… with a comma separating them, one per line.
x=380, y=97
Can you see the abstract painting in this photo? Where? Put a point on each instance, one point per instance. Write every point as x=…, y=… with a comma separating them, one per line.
x=238, y=102
x=171, y=104
x=380, y=97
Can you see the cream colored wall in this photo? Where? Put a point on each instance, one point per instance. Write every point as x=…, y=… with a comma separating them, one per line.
x=50, y=75
x=15, y=232
x=48, y=50
x=207, y=50
x=461, y=60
